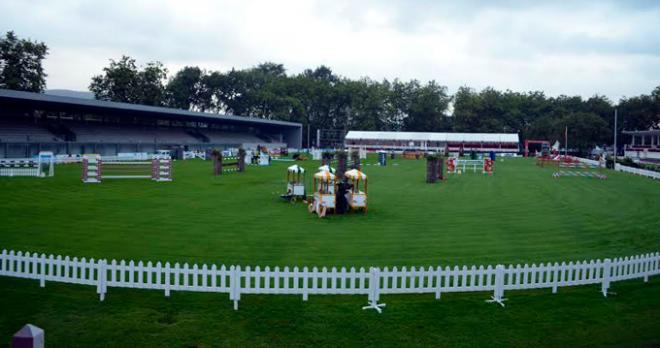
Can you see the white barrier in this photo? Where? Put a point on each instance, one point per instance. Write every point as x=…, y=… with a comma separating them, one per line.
x=305, y=281
x=591, y=162
x=461, y=165
x=637, y=171
x=68, y=159
x=194, y=154
x=130, y=156
x=41, y=166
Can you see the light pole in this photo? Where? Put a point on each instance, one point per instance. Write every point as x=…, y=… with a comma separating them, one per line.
x=615, y=132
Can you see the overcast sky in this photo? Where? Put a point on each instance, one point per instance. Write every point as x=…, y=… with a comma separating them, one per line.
x=599, y=47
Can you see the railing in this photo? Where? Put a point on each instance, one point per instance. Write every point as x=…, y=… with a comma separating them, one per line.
x=236, y=280
x=637, y=171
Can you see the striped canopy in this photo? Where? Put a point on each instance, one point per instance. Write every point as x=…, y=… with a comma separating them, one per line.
x=296, y=169
x=326, y=168
x=355, y=174
x=324, y=176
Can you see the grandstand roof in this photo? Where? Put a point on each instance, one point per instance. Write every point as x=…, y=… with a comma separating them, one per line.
x=643, y=132
x=431, y=136
x=120, y=109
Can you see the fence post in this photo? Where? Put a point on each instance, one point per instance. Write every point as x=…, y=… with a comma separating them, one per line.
x=646, y=265
x=234, y=289
x=42, y=276
x=3, y=262
x=438, y=284
x=498, y=293
x=607, y=267
x=305, y=279
x=376, y=287
x=374, y=291
x=555, y=277
x=167, y=279
x=101, y=275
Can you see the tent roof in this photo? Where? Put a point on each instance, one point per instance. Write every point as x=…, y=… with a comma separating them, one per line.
x=326, y=168
x=324, y=176
x=296, y=169
x=355, y=174
x=423, y=136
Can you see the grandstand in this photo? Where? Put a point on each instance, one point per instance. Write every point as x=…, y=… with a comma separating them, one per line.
x=420, y=141
x=33, y=122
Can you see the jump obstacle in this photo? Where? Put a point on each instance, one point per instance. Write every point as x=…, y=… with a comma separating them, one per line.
x=228, y=164
x=231, y=164
x=458, y=166
x=95, y=169
x=561, y=173
x=42, y=166
x=575, y=167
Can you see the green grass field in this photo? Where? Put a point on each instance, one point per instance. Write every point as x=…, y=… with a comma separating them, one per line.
x=518, y=215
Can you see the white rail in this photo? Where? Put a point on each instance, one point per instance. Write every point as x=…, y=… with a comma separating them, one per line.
x=637, y=171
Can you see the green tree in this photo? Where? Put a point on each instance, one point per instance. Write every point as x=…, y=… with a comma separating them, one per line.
x=427, y=109
x=641, y=112
x=20, y=64
x=184, y=90
x=118, y=83
x=151, y=84
x=122, y=81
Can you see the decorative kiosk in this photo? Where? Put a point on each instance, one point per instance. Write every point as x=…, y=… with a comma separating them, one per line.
x=357, y=199
x=324, y=193
x=295, y=183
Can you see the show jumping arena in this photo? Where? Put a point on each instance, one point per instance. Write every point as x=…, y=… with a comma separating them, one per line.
x=518, y=253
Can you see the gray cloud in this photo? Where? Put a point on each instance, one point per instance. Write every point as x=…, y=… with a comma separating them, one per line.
x=560, y=47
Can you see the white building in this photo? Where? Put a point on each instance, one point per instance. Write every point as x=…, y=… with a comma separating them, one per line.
x=422, y=141
x=645, y=145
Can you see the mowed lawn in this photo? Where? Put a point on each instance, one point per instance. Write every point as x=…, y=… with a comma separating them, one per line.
x=521, y=214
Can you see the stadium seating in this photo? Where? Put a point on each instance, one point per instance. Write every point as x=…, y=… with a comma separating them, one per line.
x=11, y=131
x=218, y=136
x=97, y=133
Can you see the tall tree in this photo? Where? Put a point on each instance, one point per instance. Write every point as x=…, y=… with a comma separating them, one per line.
x=122, y=81
x=641, y=112
x=184, y=90
x=427, y=109
x=119, y=82
x=20, y=64
x=151, y=84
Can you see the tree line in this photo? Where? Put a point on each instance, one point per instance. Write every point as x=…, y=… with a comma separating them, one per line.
x=321, y=99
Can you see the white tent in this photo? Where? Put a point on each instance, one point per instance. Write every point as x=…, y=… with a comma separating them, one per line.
x=435, y=136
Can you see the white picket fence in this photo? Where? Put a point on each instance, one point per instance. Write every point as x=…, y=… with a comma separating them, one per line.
x=28, y=171
x=19, y=167
x=637, y=171
x=372, y=282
